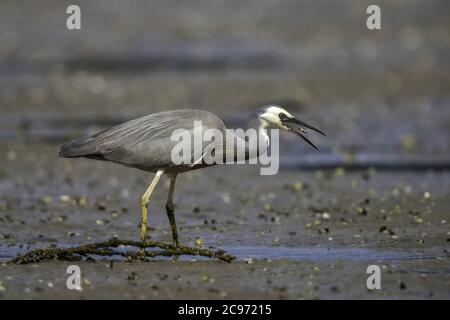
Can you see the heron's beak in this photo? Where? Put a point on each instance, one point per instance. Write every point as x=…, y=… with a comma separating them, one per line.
x=303, y=128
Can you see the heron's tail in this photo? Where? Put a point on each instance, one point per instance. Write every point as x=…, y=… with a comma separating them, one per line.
x=78, y=148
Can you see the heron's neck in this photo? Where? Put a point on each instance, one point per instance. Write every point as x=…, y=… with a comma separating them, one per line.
x=263, y=142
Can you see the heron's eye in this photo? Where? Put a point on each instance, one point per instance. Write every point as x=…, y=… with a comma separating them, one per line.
x=282, y=116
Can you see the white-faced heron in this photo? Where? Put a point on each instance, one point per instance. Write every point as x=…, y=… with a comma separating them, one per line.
x=145, y=143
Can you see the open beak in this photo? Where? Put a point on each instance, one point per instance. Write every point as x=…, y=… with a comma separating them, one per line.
x=303, y=128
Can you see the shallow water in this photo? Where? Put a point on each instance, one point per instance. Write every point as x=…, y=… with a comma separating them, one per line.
x=317, y=254
x=333, y=254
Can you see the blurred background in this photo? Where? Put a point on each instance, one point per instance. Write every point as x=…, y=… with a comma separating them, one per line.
x=382, y=96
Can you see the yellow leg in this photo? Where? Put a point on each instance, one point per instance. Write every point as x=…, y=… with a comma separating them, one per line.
x=144, y=204
x=170, y=210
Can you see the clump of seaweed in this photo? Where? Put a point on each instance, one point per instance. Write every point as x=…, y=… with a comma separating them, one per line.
x=108, y=249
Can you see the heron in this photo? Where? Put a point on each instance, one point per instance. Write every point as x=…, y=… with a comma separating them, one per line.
x=145, y=143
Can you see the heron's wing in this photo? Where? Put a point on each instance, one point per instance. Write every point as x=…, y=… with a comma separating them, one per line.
x=145, y=141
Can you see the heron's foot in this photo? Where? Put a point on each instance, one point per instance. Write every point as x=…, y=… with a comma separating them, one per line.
x=175, y=242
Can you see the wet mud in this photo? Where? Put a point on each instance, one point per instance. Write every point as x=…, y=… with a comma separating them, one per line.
x=376, y=192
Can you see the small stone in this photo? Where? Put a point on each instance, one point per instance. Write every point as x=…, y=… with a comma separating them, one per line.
x=223, y=294
x=326, y=216
x=339, y=172
x=298, y=186
x=204, y=278
x=82, y=201
x=417, y=220
x=87, y=282
x=395, y=192
x=362, y=211
x=226, y=198
x=47, y=200
x=64, y=198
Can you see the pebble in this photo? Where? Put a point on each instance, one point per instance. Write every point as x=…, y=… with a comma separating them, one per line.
x=395, y=192
x=417, y=220
x=339, y=172
x=326, y=216
x=205, y=278
x=362, y=211
x=82, y=201
x=47, y=200
x=198, y=242
x=223, y=294
x=64, y=198
x=298, y=186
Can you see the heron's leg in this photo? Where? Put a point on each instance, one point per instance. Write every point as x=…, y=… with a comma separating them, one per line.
x=170, y=210
x=144, y=202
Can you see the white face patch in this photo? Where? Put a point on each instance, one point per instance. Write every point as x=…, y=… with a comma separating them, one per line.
x=272, y=117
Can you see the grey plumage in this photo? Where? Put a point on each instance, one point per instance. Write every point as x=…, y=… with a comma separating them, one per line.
x=143, y=143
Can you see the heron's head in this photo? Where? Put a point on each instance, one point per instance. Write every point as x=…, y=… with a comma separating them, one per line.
x=276, y=117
